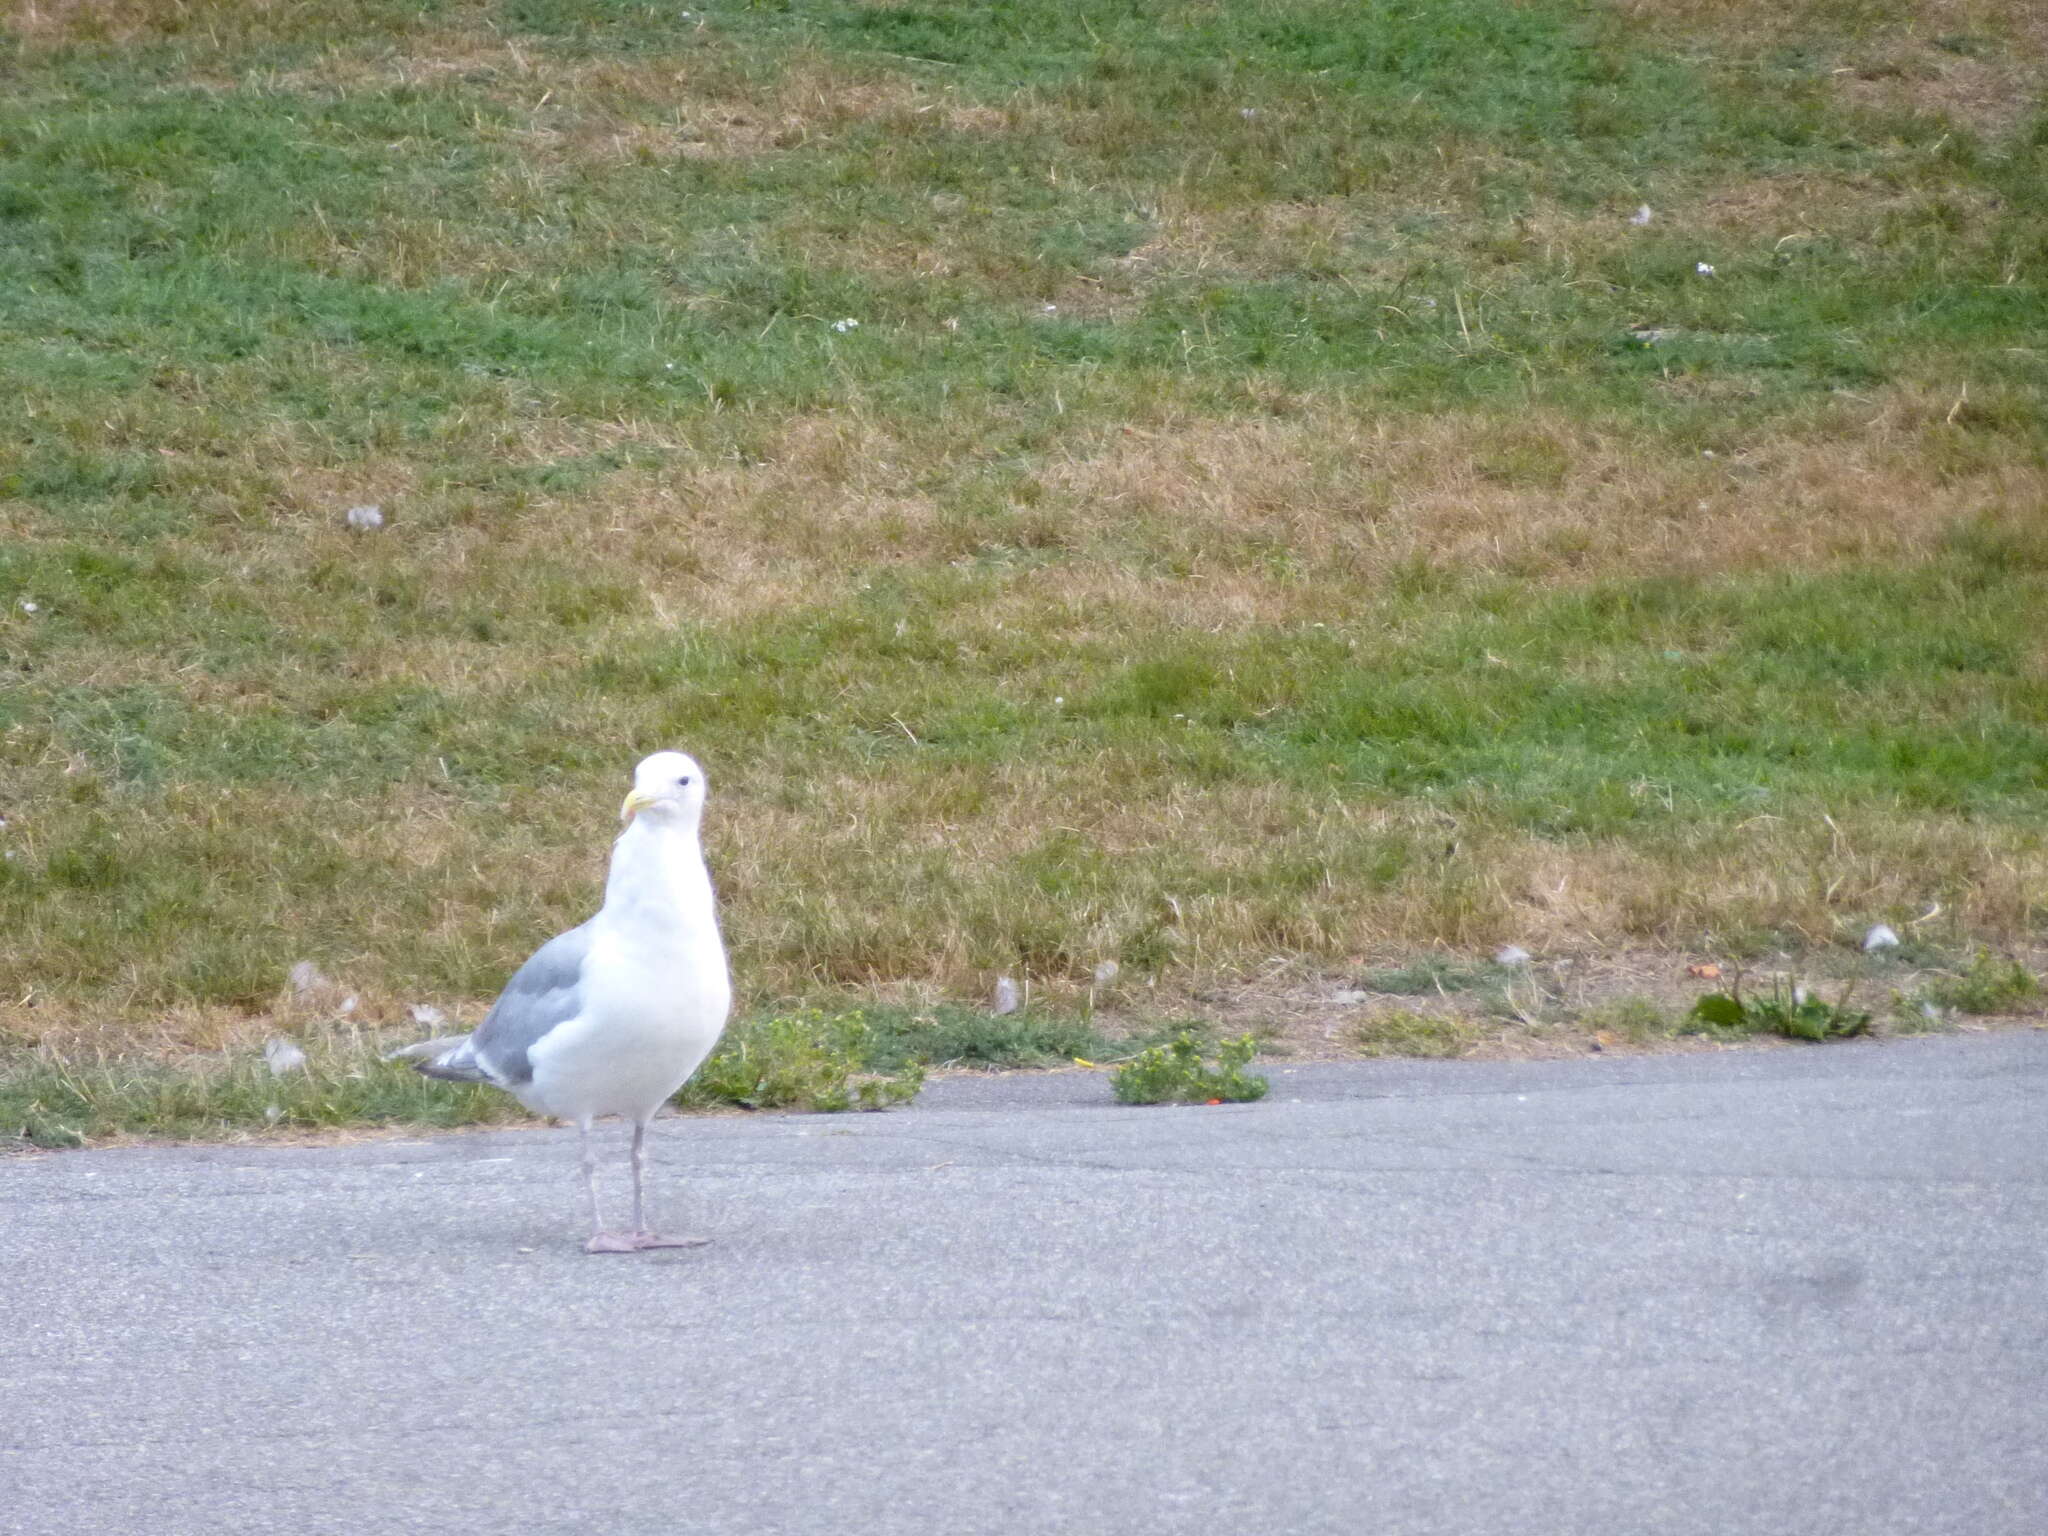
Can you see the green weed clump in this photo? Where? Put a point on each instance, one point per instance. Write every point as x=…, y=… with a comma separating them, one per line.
x=1175, y=1073
x=804, y=1060
x=1790, y=1011
x=1993, y=984
x=873, y=1058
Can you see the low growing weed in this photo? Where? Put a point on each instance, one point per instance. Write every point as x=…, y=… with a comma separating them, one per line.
x=1992, y=984
x=1175, y=1073
x=805, y=1060
x=950, y=1035
x=1791, y=1010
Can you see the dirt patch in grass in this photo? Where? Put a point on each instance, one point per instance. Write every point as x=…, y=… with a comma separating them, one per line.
x=55, y=23
x=596, y=112
x=1192, y=241
x=1980, y=63
x=1992, y=92
x=1772, y=208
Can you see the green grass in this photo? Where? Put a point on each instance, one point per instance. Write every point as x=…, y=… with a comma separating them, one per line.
x=1632, y=1018
x=1407, y=1032
x=51, y=1102
x=1433, y=975
x=1991, y=983
x=1247, y=522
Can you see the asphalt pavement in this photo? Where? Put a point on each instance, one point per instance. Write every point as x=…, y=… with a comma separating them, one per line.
x=1772, y=1292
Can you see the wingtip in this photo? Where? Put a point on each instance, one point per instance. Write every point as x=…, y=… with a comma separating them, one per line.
x=425, y=1049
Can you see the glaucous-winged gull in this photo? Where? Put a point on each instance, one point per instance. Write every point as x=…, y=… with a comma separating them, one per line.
x=613, y=1016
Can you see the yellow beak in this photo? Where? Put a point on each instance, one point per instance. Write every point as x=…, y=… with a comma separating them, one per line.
x=639, y=800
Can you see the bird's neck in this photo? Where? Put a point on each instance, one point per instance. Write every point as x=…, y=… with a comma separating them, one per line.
x=658, y=881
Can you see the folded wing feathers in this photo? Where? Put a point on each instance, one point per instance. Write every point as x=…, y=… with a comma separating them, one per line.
x=425, y=1048
x=458, y=1064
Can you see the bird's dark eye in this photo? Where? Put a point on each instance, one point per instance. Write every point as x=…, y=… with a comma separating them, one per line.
x=684, y=781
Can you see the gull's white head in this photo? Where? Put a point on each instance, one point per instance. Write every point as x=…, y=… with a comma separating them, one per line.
x=668, y=786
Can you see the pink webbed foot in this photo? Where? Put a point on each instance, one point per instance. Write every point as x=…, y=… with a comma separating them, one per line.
x=633, y=1242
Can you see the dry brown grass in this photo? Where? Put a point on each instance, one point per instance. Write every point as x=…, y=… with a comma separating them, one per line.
x=67, y=21
x=844, y=885
x=1983, y=63
x=876, y=882
x=1242, y=521
x=575, y=111
x=1233, y=514
x=1540, y=496
x=1193, y=240
x=60, y=23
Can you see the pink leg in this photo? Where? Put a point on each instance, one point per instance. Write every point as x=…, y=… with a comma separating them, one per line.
x=601, y=1241
x=642, y=1238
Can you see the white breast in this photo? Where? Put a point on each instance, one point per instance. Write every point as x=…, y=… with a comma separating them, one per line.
x=656, y=989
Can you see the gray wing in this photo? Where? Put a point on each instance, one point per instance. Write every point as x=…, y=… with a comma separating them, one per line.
x=545, y=992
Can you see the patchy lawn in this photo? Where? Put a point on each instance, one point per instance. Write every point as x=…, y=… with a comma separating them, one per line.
x=1252, y=491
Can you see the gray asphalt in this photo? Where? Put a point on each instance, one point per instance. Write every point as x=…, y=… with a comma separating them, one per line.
x=1795, y=1291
